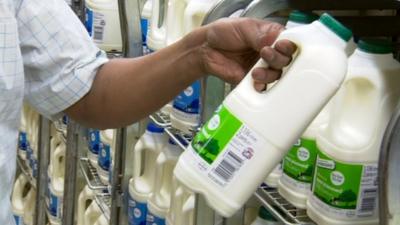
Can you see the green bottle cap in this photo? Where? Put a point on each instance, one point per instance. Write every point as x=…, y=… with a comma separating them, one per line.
x=335, y=26
x=376, y=46
x=265, y=214
x=302, y=17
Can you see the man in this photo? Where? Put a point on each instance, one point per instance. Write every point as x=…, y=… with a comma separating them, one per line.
x=47, y=59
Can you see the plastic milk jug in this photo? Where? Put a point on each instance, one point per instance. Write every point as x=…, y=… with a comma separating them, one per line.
x=157, y=30
x=144, y=23
x=92, y=213
x=185, y=115
x=102, y=24
x=93, y=146
x=19, y=194
x=33, y=137
x=160, y=197
x=141, y=184
x=298, y=164
x=265, y=218
x=102, y=220
x=251, y=132
x=29, y=207
x=22, y=136
x=175, y=20
x=56, y=186
x=345, y=186
x=182, y=207
x=112, y=157
x=104, y=160
x=85, y=198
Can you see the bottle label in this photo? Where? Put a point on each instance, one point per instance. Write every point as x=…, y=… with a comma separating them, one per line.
x=188, y=101
x=95, y=24
x=345, y=190
x=154, y=220
x=55, y=205
x=18, y=220
x=137, y=212
x=299, y=163
x=33, y=164
x=223, y=146
x=104, y=156
x=94, y=141
x=22, y=141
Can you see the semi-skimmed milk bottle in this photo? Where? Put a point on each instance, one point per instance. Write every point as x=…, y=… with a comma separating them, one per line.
x=296, y=18
x=20, y=191
x=29, y=207
x=104, y=160
x=85, y=198
x=22, y=136
x=93, y=137
x=160, y=198
x=145, y=153
x=345, y=185
x=92, y=213
x=251, y=132
x=181, y=209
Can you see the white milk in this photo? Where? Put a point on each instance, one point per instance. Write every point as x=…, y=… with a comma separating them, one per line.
x=104, y=160
x=228, y=160
x=102, y=23
x=29, y=207
x=23, y=127
x=157, y=29
x=160, y=198
x=92, y=213
x=33, y=137
x=345, y=186
x=56, y=173
x=145, y=154
x=145, y=23
x=265, y=218
x=93, y=137
x=85, y=198
x=18, y=198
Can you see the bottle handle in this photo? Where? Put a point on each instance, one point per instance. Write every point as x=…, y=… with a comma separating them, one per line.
x=59, y=153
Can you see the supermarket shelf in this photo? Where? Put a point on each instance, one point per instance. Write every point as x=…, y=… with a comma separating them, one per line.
x=281, y=208
x=91, y=176
x=180, y=138
x=103, y=200
x=25, y=170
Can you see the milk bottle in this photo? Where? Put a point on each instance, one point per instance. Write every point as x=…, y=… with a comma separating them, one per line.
x=102, y=220
x=298, y=164
x=345, y=186
x=56, y=173
x=144, y=23
x=22, y=136
x=185, y=115
x=33, y=137
x=159, y=199
x=232, y=145
x=92, y=213
x=265, y=218
x=19, y=194
x=141, y=184
x=29, y=207
x=157, y=30
x=85, y=198
x=93, y=146
x=102, y=24
x=104, y=160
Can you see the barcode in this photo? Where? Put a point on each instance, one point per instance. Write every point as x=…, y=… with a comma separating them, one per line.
x=98, y=33
x=228, y=166
x=368, y=201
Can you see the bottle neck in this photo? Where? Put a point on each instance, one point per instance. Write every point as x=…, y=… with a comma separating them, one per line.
x=331, y=35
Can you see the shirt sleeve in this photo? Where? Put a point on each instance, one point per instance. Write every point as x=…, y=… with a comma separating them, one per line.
x=60, y=59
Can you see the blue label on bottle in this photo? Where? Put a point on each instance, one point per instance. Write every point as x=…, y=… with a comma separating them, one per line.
x=104, y=156
x=154, y=220
x=55, y=205
x=94, y=141
x=144, y=23
x=89, y=20
x=137, y=212
x=22, y=141
x=18, y=220
x=33, y=164
x=29, y=153
x=188, y=101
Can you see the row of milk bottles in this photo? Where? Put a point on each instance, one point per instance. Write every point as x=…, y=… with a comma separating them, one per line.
x=155, y=196
x=331, y=170
x=101, y=147
x=180, y=17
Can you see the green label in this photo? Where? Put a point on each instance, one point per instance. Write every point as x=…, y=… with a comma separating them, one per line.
x=337, y=184
x=216, y=134
x=300, y=161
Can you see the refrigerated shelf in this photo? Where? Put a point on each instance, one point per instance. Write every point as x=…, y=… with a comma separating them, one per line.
x=91, y=176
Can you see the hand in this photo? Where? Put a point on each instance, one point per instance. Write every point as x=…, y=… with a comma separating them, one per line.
x=233, y=46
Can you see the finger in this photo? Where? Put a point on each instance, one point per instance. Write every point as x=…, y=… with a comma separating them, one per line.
x=266, y=75
x=260, y=86
x=274, y=58
x=285, y=47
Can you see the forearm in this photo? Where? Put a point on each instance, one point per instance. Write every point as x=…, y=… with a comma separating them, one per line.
x=126, y=90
